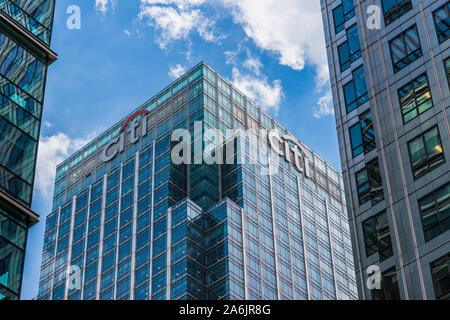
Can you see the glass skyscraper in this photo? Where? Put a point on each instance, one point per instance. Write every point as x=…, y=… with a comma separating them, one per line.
x=25, y=31
x=129, y=222
x=390, y=76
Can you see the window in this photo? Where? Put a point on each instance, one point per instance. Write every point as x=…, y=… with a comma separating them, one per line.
x=362, y=136
x=405, y=49
x=447, y=69
x=377, y=237
x=415, y=98
x=389, y=287
x=368, y=182
x=355, y=92
x=342, y=14
x=350, y=50
x=426, y=152
x=440, y=271
x=11, y=265
x=435, y=212
x=442, y=22
x=394, y=9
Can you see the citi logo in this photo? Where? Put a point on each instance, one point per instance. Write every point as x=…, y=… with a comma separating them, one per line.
x=210, y=147
x=117, y=144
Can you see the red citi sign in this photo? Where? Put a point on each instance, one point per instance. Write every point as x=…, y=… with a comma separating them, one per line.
x=117, y=144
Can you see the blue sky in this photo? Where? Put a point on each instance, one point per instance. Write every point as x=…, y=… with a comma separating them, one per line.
x=126, y=51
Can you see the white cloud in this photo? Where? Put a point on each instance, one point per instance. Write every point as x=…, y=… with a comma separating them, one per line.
x=177, y=71
x=324, y=106
x=253, y=64
x=101, y=5
x=181, y=4
x=177, y=19
x=48, y=124
x=127, y=32
x=292, y=29
x=52, y=151
x=259, y=90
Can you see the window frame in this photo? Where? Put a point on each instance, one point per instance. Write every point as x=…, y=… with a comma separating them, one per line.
x=438, y=34
x=447, y=70
x=415, y=98
x=346, y=16
x=357, y=100
x=388, y=251
x=365, y=145
x=436, y=206
x=381, y=294
x=407, y=56
x=368, y=164
x=352, y=57
x=422, y=136
x=397, y=12
x=446, y=295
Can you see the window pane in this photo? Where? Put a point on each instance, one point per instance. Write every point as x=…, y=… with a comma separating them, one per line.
x=355, y=92
x=435, y=212
x=394, y=9
x=405, y=49
x=369, y=184
x=349, y=51
x=12, y=231
x=10, y=265
x=441, y=277
x=389, y=287
x=447, y=69
x=418, y=155
x=432, y=143
x=377, y=236
x=356, y=140
x=442, y=22
x=426, y=152
x=415, y=98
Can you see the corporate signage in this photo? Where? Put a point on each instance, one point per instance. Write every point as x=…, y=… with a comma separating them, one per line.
x=285, y=146
x=117, y=144
x=291, y=150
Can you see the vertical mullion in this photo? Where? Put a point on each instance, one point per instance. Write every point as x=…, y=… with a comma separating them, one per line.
x=133, y=239
x=102, y=236
x=119, y=203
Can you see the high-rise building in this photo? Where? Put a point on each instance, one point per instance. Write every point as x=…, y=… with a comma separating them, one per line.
x=25, y=54
x=130, y=222
x=390, y=68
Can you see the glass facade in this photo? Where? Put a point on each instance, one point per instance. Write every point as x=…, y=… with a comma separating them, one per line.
x=23, y=71
x=35, y=15
x=142, y=227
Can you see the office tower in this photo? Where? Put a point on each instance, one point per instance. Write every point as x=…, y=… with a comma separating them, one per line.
x=130, y=222
x=390, y=84
x=25, y=32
